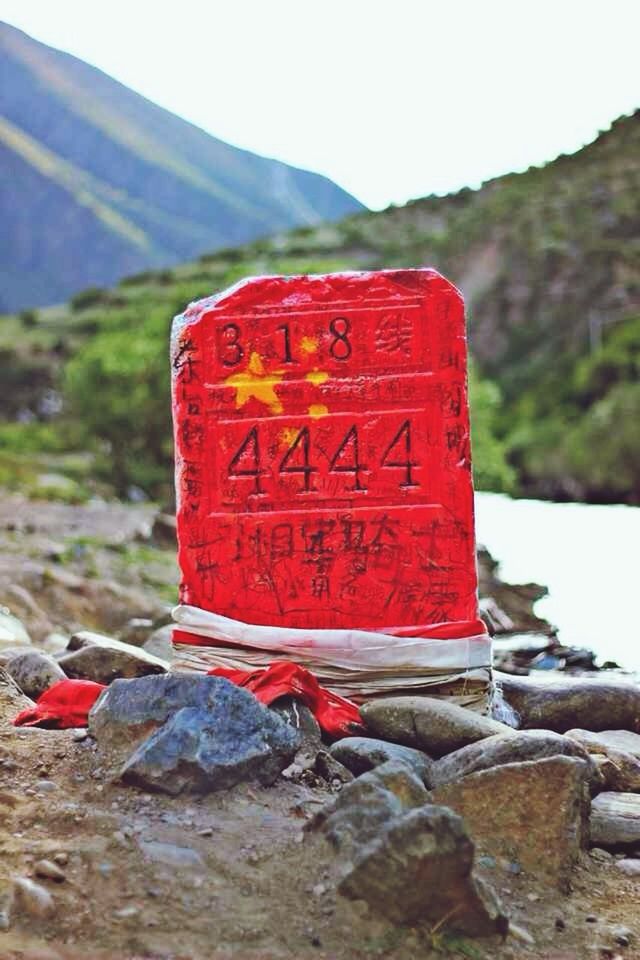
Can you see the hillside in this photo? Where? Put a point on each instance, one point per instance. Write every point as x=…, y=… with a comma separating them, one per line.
x=549, y=264
x=99, y=182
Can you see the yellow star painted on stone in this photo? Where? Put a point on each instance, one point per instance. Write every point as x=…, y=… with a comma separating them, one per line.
x=256, y=382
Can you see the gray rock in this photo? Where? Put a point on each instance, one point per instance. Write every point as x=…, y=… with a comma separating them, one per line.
x=621, y=770
x=562, y=705
x=12, y=699
x=34, y=672
x=7, y=653
x=330, y=769
x=136, y=631
x=428, y=724
x=360, y=754
x=295, y=713
x=170, y=854
x=159, y=643
x=419, y=868
x=363, y=806
x=502, y=808
x=194, y=733
x=630, y=867
x=105, y=659
x=496, y=751
x=615, y=820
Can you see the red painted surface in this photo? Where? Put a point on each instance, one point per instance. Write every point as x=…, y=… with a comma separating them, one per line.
x=322, y=452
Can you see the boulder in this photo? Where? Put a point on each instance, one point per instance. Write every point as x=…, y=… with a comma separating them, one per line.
x=136, y=631
x=564, y=704
x=622, y=772
x=299, y=716
x=103, y=659
x=34, y=672
x=190, y=733
x=360, y=754
x=496, y=751
x=535, y=812
x=420, y=867
x=159, y=643
x=432, y=725
x=365, y=805
x=615, y=820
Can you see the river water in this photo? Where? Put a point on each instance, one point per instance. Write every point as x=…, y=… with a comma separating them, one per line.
x=587, y=555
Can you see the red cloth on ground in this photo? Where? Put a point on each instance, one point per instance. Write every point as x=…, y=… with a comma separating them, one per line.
x=65, y=704
x=337, y=717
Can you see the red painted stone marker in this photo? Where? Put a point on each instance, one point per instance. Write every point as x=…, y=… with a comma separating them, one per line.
x=322, y=452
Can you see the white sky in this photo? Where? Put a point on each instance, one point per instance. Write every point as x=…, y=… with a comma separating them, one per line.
x=392, y=99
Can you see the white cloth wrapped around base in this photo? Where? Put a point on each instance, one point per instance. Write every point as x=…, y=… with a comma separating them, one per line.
x=357, y=664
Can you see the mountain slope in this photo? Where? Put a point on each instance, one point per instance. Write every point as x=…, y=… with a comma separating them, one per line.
x=99, y=182
x=548, y=261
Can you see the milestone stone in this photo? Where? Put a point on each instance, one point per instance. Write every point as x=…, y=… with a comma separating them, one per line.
x=432, y=725
x=498, y=750
x=419, y=867
x=34, y=672
x=615, y=820
x=562, y=705
x=360, y=754
x=535, y=812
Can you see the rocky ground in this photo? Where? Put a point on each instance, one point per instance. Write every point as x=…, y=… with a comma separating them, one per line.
x=119, y=842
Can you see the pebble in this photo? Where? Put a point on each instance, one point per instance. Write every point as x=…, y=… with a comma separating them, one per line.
x=34, y=898
x=80, y=734
x=602, y=855
x=560, y=924
x=591, y=918
x=61, y=858
x=519, y=933
x=622, y=935
x=127, y=913
x=206, y=832
x=49, y=870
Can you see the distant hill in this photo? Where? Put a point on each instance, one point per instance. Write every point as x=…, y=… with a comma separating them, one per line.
x=98, y=182
x=548, y=261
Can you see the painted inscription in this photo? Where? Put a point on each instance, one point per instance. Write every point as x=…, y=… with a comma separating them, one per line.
x=322, y=452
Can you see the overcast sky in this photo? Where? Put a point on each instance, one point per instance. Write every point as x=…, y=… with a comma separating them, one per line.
x=392, y=100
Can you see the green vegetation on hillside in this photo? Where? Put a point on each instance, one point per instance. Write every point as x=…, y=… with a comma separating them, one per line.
x=548, y=262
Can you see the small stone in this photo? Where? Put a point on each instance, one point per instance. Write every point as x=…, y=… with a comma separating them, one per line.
x=629, y=867
x=591, y=918
x=61, y=858
x=34, y=672
x=360, y=754
x=560, y=923
x=331, y=770
x=622, y=935
x=46, y=786
x=298, y=715
x=80, y=734
x=519, y=933
x=170, y=853
x=49, y=870
x=206, y=832
x=603, y=856
x=127, y=913
x=104, y=662
x=435, y=726
x=34, y=898
x=319, y=889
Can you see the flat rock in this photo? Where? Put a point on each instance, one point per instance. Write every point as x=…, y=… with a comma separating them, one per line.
x=615, y=820
x=535, y=812
x=363, y=806
x=432, y=725
x=190, y=733
x=564, y=704
x=34, y=672
x=360, y=754
x=104, y=659
x=420, y=867
x=496, y=751
x=171, y=854
x=622, y=771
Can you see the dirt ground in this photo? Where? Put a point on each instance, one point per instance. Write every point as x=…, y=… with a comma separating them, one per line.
x=229, y=875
